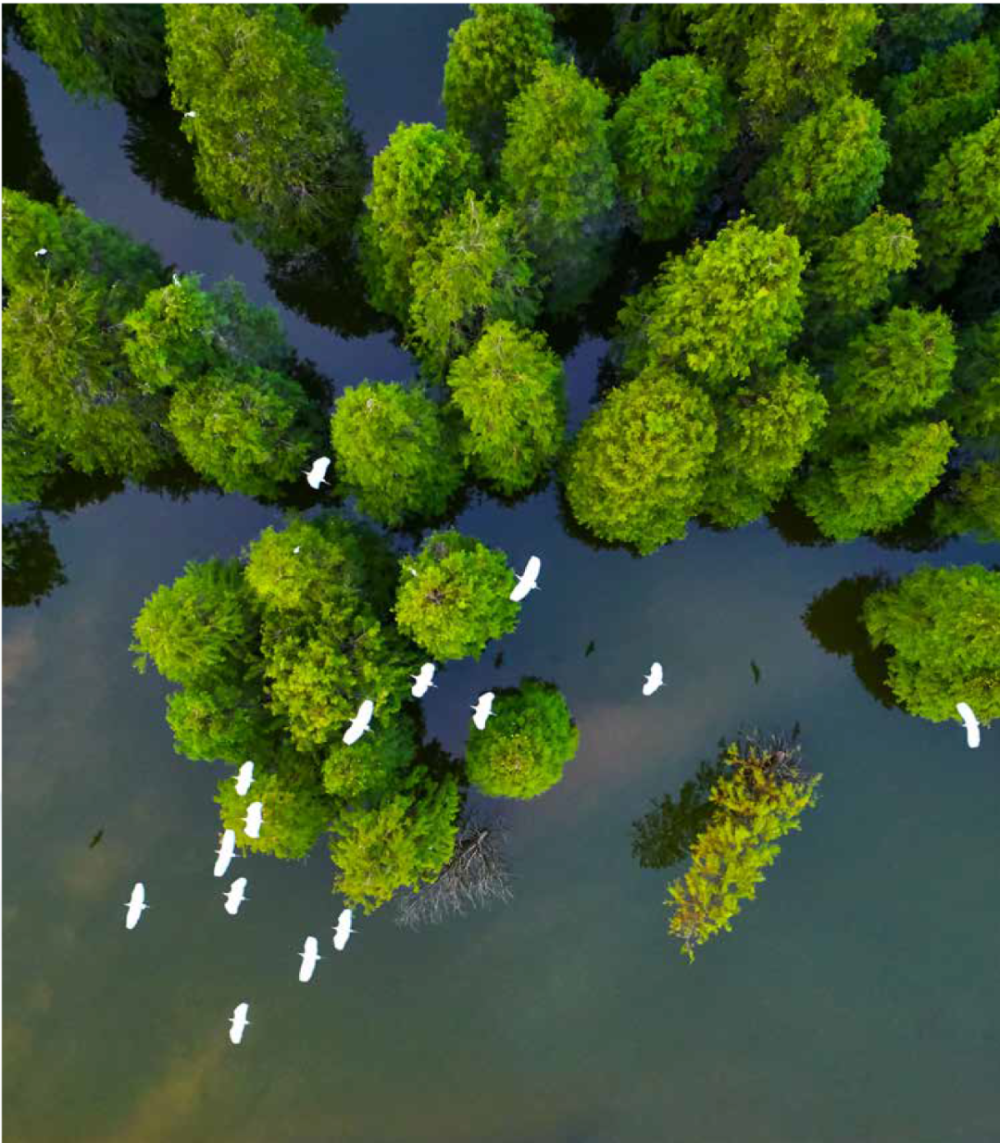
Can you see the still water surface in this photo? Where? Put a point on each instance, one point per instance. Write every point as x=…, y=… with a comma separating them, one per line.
x=856, y=999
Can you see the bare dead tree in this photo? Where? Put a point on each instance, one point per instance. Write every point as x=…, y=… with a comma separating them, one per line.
x=476, y=876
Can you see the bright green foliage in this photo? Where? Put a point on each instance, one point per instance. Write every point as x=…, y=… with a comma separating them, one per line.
x=891, y=370
x=960, y=200
x=475, y=269
x=182, y=332
x=295, y=813
x=64, y=367
x=557, y=172
x=393, y=452
x=220, y=720
x=373, y=763
x=100, y=50
x=527, y=741
x=951, y=93
x=763, y=431
x=421, y=175
x=512, y=395
x=667, y=137
x=407, y=838
x=454, y=596
x=248, y=432
x=827, y=174
x=635, y=471
x=941, y=624
x=274, y=149
x=201, y=631
x=757, y=803
x=860, y=267
x=491, y=59
x=878, y=485
x=806, y=55
x=720, y=310
x=975, y=507
x=974, y=406
x=76, y=245
x=28, y=459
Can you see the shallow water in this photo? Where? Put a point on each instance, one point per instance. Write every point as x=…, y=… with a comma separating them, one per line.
x=855, y=999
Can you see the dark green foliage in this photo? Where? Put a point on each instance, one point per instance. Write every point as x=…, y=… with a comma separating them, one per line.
x=295, y=813
x=877, y=485
x=644, y=32
x=910, y=30
x=393, y=452
x=454, y=596
x=666, y=834
x=827, y=174
x=510, y=390
x=974, y=405
x=475, y=269
x=421, y=175
x=941, y=625
x=25, y=168
x=112, y=51
x=721, y=310
x=275, y=150
x=491, y=59
x=371, y=765
x=525, y=744
x=635, y=471
x=667, y=137
x=557, y=172
x=220, y=720
x=974, y=506
x=28, y=458
x=763, y=431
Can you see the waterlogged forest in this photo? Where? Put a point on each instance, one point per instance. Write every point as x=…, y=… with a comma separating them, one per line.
x=329, y=334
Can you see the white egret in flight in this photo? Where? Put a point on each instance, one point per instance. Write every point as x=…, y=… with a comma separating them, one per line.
x=310, y=954
x=296, y=549
x=528, y=581
x=316, y=475
x=483, y=709
x=235, y=896
x=360, y=724
x=238, y=1021
x=971, y=723
x=190, y=114
x=177, y=280
x=135, y=905
x=244, y=779
x=654, y=680
x=254, y=818
x=41, y=253
x=422, y=681
x=225, y=852
x=343, y=930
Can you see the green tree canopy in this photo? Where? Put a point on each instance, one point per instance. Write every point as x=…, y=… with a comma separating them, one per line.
x=668, y=136
x=974, y=506
x=941, y=625
x=393, y=452
x=372, y=765
x=763, y=431
x=511, y=392
x=475, y=269
x=28, y=458
x=877, y=485
x=295, y=813
x=220, y=720
x=275, y=151
x=635, y=471
x=491, y=59
x=720, y=310
x=910, y=30
x=974, y=404
x=557, y=172
x=525, y=744
x=420, y=175
x=112, y=51
x=454, y=596
x=827, y=174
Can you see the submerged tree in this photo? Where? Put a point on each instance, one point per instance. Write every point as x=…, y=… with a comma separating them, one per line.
x=454, y=596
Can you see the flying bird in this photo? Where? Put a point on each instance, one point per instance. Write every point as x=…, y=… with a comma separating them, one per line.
x=225, y=852
x=310, y=955
x=254, y=818
x=96, y=838
x=360, y=724
x=483, y=709
x=654, y=680
x=238, y=1021
x=135, y=905
x=296, y=549
x=235, y=896
x=190, y=114
x=316, y=475
x=342, y=930
x=971, y=724
x=41, y=252
x=528, y=581
x=422, y=681
x=244, y=779
x=177, y=280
